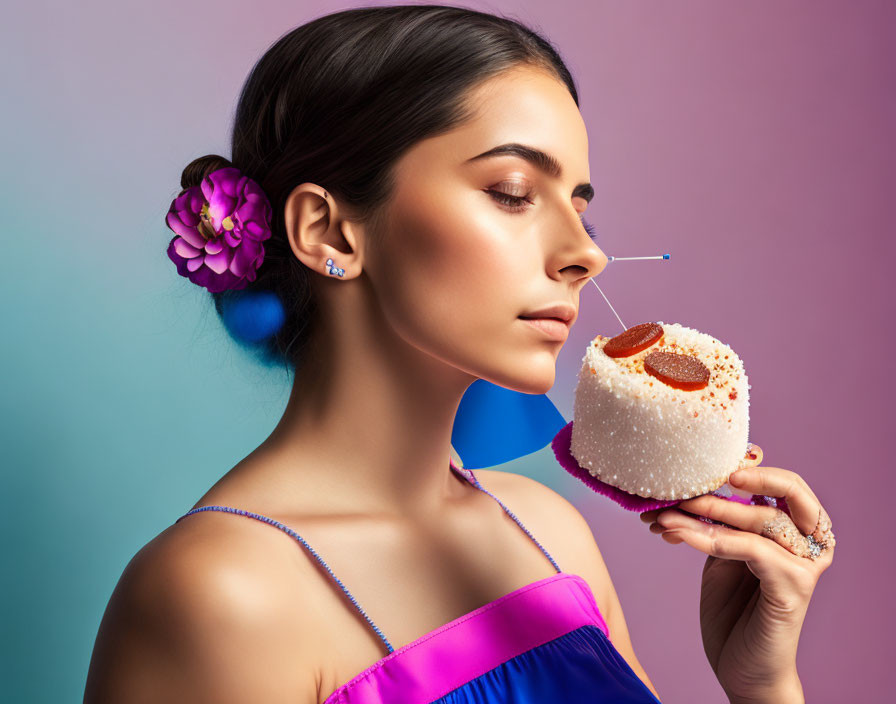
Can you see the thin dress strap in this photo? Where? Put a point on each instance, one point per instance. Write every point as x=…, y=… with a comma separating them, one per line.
x=468, y=474
x=290, y=531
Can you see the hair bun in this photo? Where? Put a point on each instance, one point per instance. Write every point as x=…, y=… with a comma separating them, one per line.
x=201, y=167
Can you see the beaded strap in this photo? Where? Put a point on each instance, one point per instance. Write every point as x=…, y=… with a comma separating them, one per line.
x=290, y=531
x=467, y=473
x=510, y=513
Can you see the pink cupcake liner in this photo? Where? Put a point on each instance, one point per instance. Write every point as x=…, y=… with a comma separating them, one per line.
x=632, y=502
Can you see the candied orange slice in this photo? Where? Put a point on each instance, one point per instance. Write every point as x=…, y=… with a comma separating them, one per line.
x=633, y=340
x=680, y=371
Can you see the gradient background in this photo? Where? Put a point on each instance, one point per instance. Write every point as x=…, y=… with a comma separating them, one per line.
x=753, y=141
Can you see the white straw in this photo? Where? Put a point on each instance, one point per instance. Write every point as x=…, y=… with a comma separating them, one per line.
x=613, y=259
x=611, y=306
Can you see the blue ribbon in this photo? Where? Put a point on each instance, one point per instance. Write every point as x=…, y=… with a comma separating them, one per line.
x=494, y=424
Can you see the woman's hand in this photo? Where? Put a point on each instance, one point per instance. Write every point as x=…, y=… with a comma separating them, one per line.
x=758, y=579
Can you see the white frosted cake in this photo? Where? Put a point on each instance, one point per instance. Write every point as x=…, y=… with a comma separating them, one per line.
x=661, y=411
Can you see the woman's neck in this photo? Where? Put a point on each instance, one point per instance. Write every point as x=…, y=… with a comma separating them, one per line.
x=368, y=425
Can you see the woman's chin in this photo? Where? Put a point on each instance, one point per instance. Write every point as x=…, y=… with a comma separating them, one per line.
x=532, y=373
x=535, y=379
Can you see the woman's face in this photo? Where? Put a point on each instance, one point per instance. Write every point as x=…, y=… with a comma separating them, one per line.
x=471, y=244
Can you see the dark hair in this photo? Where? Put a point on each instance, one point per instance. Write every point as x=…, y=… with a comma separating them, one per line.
x=337, y=101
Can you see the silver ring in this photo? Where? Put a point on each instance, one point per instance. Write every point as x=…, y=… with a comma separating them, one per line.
x=783, y=531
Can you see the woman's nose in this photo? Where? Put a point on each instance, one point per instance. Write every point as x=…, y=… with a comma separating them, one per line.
x=603, y=260
x=583, y=258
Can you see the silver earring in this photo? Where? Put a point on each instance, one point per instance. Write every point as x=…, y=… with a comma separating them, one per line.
x=335, y=271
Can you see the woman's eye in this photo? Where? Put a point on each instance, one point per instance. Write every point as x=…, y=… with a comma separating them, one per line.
x=507, y=199
x=517, y=203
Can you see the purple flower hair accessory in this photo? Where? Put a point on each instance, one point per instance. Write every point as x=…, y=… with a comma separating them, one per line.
x=220, y=226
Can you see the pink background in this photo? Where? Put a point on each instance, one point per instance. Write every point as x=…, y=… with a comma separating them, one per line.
x=753, y=141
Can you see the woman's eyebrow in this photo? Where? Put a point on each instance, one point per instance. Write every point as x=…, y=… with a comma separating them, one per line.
x=542, y=160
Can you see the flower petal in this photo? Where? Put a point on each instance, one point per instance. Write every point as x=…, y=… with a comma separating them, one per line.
x=178, y=260
x=254, y=213
x=189, y=232
x=232, y=237
x=185, y=249
x=218, y=263
x=256, y=230
x=244, y=257
x=224, y=282
x=204, y=277
x=214, y=246
x=221, y=194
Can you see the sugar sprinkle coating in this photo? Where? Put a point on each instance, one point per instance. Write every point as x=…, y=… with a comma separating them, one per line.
x=642, y=436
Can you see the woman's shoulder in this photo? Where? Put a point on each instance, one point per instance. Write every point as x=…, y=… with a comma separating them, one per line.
x=555, y=522
x=218, y=562
x=543, y=505
x=215, y=549
x=206, y=606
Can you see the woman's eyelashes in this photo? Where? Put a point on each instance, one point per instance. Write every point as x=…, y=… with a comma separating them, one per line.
x=516, y=205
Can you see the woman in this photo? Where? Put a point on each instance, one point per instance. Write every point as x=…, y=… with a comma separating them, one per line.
x=406, y=241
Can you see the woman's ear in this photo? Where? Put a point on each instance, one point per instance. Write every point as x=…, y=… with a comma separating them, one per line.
x=317, y=232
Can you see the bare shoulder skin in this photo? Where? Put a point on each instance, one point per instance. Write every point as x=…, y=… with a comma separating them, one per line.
x=206, y=612
x=566, y=535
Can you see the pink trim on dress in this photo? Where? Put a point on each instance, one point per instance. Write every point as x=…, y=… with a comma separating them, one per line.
x=475, y=643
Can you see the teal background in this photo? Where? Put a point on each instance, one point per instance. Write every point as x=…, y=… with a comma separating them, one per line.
x=752, y=141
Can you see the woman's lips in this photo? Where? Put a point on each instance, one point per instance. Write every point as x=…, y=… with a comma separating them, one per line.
x=552, y=327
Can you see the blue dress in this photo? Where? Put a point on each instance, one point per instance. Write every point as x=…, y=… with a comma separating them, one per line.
x=545, y=642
